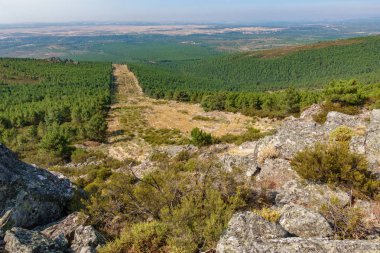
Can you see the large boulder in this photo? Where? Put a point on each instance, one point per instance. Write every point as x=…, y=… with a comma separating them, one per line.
x=26, y=241
x=249, y=233
x=277, y=171
x=302, y=222
x=245, y=227
x=67, y=235
x=309, y=194
x=337, y=119
x=244, y=162
x=65, y=226
x=293, y=136
x=80, y=238
x=299, y=245
x=30, y=196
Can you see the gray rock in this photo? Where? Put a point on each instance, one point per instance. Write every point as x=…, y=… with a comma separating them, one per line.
x=373, y=141
x=277, y=171
x=336, y=119
x=30, y=196
x=86, y=240
x=25, y=241
x=247, y=226
x=82, y=239
x=358, y=144
x=308, y=194
x=65, y=227
x=293, y=136
x=304, y=223
x=297, y=245
x=246, y=163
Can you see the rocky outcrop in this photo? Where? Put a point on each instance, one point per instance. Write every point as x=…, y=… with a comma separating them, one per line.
x=308, y=194
x=278, y=171
x=301, y=222
x=296, y=134
x=29, y=196
x=68, y=235
x=80, y=238
x=26, y=241
x=246, y=163
x=65, y=227
x=300, y=245
x=247, y=226
x=336, y=119
x=248, y=233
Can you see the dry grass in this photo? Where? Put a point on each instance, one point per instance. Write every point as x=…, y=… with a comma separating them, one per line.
x=136, y=122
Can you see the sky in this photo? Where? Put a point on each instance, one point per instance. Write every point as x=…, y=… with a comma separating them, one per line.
x=196, y=11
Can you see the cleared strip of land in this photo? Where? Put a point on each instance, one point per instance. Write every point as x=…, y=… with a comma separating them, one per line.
x=135, y=118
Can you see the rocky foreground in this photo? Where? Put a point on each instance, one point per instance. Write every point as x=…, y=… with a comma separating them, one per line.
x=301, y=228
x=34, y=203
x=248, y=233
x=33, y=206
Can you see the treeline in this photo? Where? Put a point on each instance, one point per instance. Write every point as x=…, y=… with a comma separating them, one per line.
x=266, y=71
x=345, y=96
x=45, y=106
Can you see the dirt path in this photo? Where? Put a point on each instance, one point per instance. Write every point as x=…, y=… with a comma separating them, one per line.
x=132, y=115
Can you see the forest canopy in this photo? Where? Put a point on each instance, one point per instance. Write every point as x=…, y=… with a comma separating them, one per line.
x=47, y=104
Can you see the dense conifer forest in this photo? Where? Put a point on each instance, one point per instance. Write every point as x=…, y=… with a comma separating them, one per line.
x=45, y=105
x=303, y=67
x=267, y=83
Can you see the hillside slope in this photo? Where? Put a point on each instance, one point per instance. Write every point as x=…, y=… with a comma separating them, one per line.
x=309, y=66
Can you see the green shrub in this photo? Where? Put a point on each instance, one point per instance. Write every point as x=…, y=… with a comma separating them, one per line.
x=199, y=220
x=189, y=206
x=342, y=134
x=55, y=142
x=80, y=156
x=346, y=221
x=293, y=100
x=200, y=138
x=345, y=92
x=335, y=164
x=96, y=128
x=147, y=237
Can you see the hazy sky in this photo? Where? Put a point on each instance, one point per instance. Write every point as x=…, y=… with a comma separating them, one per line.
x=21, y=11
